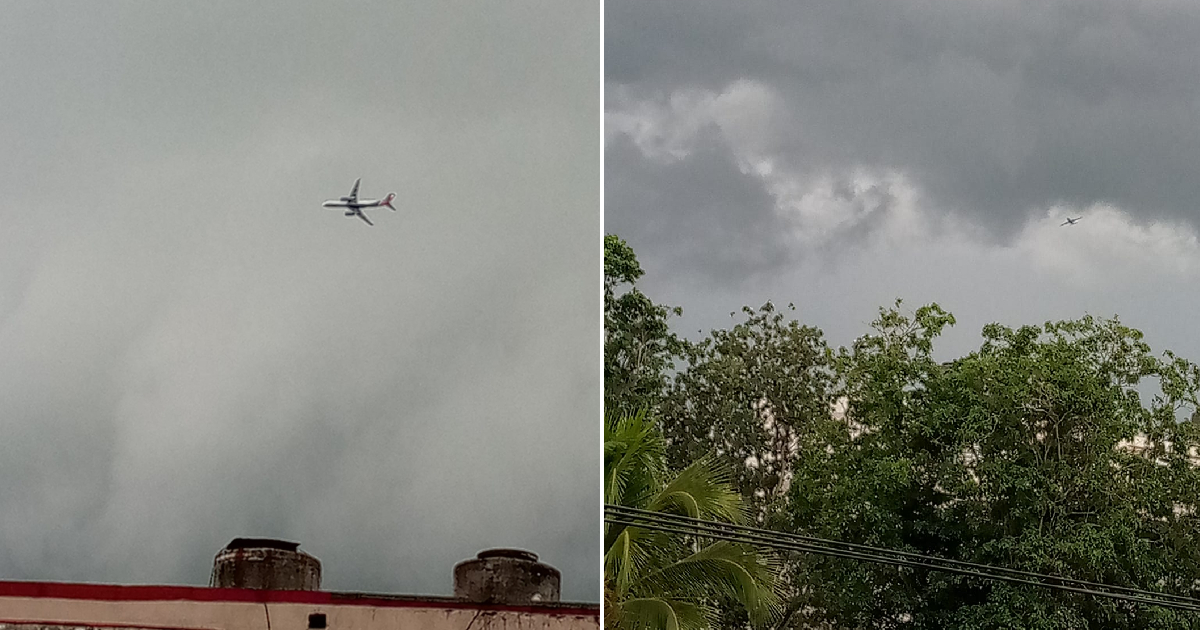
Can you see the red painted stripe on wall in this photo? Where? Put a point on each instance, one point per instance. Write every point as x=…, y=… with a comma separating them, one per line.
x=119, y=592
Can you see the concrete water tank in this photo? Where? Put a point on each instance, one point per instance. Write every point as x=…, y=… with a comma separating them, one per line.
x=506, y=576
x=265, y=563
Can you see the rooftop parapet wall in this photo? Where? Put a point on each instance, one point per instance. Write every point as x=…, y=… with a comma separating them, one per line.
x=24, y=605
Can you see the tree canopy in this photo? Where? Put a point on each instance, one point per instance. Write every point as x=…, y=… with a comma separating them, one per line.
x=1062, y=448
x=638, y=342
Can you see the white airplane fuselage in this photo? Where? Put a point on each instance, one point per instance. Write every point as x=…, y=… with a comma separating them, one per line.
x=363, y=203
x=354, y=206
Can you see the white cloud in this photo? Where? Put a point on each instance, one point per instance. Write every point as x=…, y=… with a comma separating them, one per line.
x=664, y=127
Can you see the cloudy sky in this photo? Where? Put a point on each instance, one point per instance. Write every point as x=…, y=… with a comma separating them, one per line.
x=192, y=349
x=841, y=155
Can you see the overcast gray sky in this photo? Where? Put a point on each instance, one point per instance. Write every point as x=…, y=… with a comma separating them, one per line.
x=842, y=154
x=193, y=349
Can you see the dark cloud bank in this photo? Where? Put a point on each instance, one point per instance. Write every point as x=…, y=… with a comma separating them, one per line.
x=995, y=111
x=192, y=349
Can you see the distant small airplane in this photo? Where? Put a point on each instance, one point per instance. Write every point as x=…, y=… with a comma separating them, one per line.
x=354, y=206
x=1071, y=221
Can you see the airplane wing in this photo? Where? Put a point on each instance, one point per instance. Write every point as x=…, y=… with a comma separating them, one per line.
x=364, y=218
x=354, y=192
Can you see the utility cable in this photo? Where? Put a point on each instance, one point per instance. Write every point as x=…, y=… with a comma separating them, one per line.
x=853, y=547
x=671, y=523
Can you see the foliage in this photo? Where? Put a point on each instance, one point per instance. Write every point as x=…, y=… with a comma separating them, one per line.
x=749, y=393
x=1020, y=454
x=663, y=581
x=1064, y=448
x=638, y=342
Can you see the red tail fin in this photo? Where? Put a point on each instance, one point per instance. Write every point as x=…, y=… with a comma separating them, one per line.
x=388, y=201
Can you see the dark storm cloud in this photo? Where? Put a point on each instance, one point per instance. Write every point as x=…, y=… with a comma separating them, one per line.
x=868, y=151
x=994, y=110
x=703, y=212
x=192, y=349
x=704, y=217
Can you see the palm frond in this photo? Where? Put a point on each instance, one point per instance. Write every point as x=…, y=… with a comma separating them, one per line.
x=633, y=458
x=720, y=570
x=657, y=613
x=702, y=490
x=633, y=553
x=656, y=580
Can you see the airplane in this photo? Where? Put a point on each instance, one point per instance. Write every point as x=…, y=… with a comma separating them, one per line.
x=1071, y=221
x=354, y=205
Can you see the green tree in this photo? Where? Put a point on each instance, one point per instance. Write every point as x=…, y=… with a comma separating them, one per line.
x=1024, y=454
x=1065, y=448
x=638, y=342
x=664, y=581
x=750, y=393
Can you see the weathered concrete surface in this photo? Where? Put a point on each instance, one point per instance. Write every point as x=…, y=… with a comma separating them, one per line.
x=59, y=614
x=261, y=563
x=36, y=626
x=507, y=576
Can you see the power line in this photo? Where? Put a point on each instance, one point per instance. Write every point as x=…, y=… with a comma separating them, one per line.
x=671, y=523
x=777, y=540
x=921, y=559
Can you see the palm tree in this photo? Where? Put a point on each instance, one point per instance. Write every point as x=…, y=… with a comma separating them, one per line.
x=660, y=581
